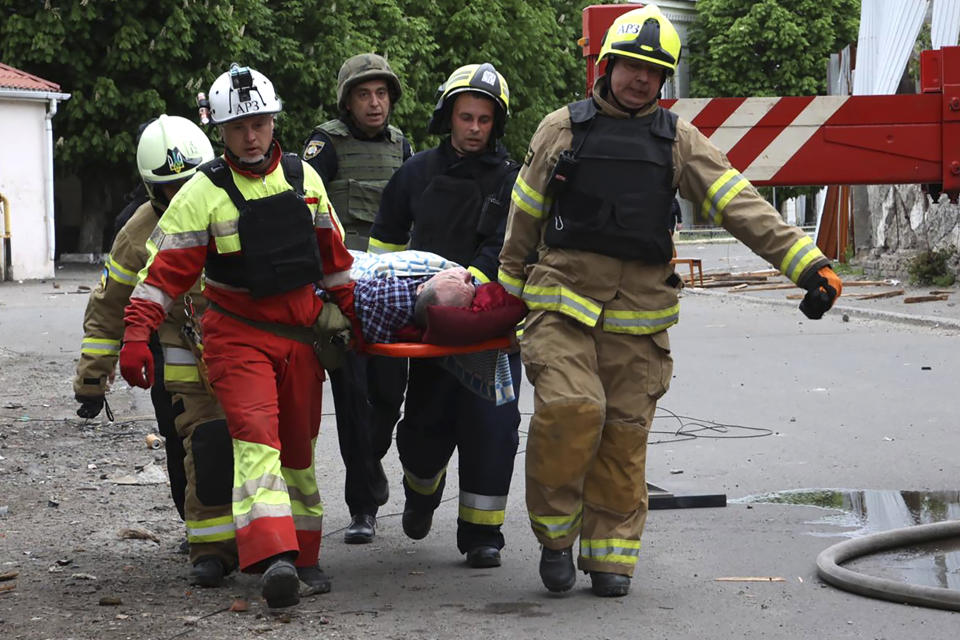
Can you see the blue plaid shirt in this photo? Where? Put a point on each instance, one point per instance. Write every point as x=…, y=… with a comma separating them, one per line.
x=385, y=305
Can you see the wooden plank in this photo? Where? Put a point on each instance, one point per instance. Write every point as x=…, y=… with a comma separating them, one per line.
x=762, y=272
x=915, y=299
x=738, y=278
x=722, y=283
x=769, y=287
x=876, y=296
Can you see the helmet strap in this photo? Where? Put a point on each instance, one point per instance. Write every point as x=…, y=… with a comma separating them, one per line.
x=252, y=167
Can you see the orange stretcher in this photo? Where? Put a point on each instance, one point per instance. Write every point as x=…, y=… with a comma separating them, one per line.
x=424, y=350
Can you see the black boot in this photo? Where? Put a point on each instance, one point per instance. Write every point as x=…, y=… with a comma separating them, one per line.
x=483, y=557
x=556, y=569
x=208, y=571
x=315, y=579
x=280, y=585
x=362, y=529
x=609, y=585
x=416, y=524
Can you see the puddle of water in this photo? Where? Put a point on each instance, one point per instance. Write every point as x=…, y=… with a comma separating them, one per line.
x=871, y=511
x=936, y=564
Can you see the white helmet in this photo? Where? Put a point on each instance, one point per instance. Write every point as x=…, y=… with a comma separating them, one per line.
x=242, y=92
x=170, y=149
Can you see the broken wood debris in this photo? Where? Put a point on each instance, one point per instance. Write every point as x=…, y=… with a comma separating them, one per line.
x=876, y=296
x=138, y=534
x=914, y=299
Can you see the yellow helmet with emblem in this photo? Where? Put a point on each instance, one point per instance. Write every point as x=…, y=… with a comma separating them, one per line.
x=643, y=34
x=478, y=78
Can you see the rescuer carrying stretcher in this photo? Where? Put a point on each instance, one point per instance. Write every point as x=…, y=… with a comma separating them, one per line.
x=593, y=199
x=259, y=223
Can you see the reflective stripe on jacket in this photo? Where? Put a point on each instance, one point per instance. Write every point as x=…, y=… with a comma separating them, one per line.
x=103, y=318
x=632, y=297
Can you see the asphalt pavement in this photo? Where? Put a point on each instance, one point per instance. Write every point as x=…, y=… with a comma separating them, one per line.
x=773, y=402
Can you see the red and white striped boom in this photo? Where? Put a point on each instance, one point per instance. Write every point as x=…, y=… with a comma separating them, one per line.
x=822, y=140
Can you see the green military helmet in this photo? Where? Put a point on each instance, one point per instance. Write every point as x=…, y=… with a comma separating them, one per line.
x=361, y=68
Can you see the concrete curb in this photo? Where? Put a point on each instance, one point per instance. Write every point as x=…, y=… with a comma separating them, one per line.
x=873, y=314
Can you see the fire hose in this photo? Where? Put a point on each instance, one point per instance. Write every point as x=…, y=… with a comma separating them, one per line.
x=829, y=569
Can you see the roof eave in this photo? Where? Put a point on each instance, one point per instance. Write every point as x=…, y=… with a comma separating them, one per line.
x=33, y=94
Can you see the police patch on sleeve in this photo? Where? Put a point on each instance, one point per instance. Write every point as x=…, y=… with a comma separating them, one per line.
x=313, y=148
x=527, y=159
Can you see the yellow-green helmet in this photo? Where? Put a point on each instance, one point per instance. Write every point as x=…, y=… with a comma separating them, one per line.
x=643, y=34
x=478, y=78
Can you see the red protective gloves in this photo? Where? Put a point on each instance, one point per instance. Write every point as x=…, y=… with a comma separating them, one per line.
x=136, y=364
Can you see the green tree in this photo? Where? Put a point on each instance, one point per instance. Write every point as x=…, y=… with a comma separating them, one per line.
x=126, y=62
x=767, y=47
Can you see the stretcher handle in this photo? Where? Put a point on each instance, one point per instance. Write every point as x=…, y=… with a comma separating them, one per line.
x=424, y=350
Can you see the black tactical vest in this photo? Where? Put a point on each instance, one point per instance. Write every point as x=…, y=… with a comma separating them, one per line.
x=617, y=199
x=454, y=215
x=278, y=240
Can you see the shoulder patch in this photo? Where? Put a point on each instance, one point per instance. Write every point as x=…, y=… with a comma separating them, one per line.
x=527, y=159
x=313, y=148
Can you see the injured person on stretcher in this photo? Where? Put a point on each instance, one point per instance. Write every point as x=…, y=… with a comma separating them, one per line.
x=418, y=296
x=417, y=304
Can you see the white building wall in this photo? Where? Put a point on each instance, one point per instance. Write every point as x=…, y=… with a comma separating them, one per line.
x=23, y=165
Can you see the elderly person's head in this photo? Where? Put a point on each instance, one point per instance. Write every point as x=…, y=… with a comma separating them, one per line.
x=449, y=288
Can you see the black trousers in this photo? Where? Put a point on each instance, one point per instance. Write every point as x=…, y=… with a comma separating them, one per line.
x=440, y=414
x=163, y=408
x=367, y=397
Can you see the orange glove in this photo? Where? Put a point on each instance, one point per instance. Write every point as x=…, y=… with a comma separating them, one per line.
x=822, y=289
x=136, y=364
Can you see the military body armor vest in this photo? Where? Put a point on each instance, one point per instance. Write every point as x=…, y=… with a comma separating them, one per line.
x=364, y=168
x=278, y=239
x=616, y=199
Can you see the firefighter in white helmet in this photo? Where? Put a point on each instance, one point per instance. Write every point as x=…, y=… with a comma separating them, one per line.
x=169, y=153
x=261, y=269
x=594, y=199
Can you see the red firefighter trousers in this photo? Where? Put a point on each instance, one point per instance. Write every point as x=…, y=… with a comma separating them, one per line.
x=270, y=389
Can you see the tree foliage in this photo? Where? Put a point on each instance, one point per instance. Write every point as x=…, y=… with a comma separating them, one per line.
x=768, y=48
x=126, y=62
